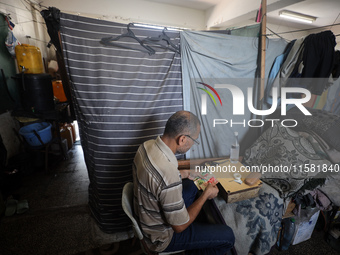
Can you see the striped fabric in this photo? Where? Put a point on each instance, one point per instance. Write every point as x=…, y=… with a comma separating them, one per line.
x=122, y=98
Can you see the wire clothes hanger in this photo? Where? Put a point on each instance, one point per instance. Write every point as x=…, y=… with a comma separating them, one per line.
x=158, y=41
x=110, y=41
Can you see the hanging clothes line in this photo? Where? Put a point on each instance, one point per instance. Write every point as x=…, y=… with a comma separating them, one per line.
x=301, y=30
x=278, y=35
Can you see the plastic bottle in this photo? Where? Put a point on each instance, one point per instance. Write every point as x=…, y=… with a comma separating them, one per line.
x=29, y=59
x=235, y=149
x=287, y=233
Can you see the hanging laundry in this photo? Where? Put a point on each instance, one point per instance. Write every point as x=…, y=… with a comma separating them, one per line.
x=310, y=58
x=52, y=19
x=275, y=69
x=286, y=64
x=11, y=41
x=336, y=65
x=317, y=61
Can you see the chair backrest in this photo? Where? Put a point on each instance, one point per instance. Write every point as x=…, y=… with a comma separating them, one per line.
x=127, y=204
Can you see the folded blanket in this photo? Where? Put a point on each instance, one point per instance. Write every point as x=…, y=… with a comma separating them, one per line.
x=285, y=149
x=324, y=124
x=255, y=221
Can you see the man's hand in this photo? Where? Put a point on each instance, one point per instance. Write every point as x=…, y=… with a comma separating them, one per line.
x=184, y=173
x=211, y=191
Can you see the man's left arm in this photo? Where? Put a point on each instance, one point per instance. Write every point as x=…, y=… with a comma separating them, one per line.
x=184, y=173
x=191, y=174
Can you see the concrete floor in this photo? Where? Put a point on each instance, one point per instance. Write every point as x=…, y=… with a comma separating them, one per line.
x=59, y=222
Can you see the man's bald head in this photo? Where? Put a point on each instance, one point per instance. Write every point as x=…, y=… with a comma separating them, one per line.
x=181, y=123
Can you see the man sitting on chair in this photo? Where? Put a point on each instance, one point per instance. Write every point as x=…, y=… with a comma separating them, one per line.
x=164, y=204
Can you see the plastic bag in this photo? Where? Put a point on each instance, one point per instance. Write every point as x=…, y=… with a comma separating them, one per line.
x=11, y=41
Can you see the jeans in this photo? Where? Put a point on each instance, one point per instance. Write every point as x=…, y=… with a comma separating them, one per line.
x=201, y=238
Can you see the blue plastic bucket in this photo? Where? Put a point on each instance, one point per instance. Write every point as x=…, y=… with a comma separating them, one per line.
x=43, y=129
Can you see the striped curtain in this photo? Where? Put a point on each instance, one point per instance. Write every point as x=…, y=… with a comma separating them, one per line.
x=122, y=98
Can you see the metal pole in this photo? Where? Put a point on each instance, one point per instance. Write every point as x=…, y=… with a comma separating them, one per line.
x=263, y=47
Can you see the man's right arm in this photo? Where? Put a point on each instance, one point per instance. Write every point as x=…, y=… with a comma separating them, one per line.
x=210, y=192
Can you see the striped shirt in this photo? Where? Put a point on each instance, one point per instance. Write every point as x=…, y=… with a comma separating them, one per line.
x=158, y=199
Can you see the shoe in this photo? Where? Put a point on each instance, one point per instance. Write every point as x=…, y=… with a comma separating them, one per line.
x=22, y=206
x=11, y=207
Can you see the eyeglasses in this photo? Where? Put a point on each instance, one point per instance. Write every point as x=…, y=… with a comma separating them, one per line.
x=197, y=142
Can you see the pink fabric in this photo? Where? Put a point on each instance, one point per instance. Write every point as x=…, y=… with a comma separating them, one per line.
x=321, y=200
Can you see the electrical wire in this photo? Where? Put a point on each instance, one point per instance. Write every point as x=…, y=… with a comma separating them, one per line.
x=26, y=9
x=25, y=5
x=8, y=14
x=336, y=19
x=15, y=7
x=19, y=9
x=36, y=39
x=27, y=20
x=32, y=5
x=38, y=22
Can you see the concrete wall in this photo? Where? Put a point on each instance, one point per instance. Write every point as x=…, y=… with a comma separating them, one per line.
x=30, y=29
x=126, y=11
x=224, y=15
x=29, y=25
